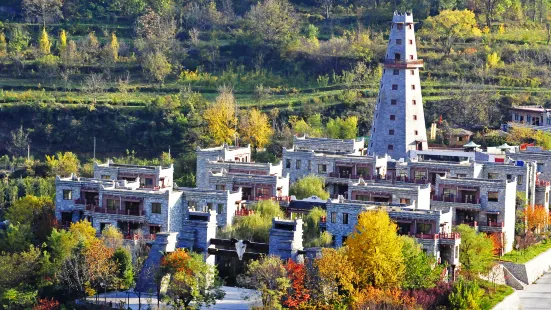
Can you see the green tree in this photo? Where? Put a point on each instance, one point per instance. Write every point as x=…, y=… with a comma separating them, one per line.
x=271, y=23
x=256, y=227
x=312, y=234
x=44, y=43
x=156, y=66
x=345, y=128
x=375, y=250
x=476, y=253
x=421, y=271
x=466, y=295
x=449, y=26
x=43, y=9
x=19, y=141
x=18, y=40
x=309, y=186
x=269, y=277
x=62, y=164
x=124, y=274
x=16, y=238
x=38, y=213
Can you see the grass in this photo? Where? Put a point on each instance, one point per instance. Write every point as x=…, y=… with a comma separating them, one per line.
x=524, y=256
x=495, y=293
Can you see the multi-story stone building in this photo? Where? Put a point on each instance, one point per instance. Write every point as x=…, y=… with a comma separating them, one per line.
x=147, y=176
x=224, y=203
x=399, y=120
x=252, y=186
x=432, y=229
x=224, y=153
x=135, y=210
x=417, y=195
x=487, y=205
x=534, y=115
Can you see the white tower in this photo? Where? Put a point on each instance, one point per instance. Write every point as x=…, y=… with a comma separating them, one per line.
x=399, y=122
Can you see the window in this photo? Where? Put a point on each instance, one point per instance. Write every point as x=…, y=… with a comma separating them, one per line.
x=459, y=139
x=398, y=41
x=423, y=228
x=192, y=205
x=407, y=201
x=344, y=239
x=67, y=194
x=413, y=87
x=374, y=129
x=220, y=187
x=113, y=204
x=148, y=181
x=493, y=176
x=410, y=57
x=414, y=117
x=395, y=72
x=493, y=196
x=309, y=165
x=393, y=101
x=509, y=177
x=392, y=117
x=420, y=175
x=410, y=42
x=390, y=147
x=416, y=132
x=410, y=26
x=391, y=132
x=520, y=179
x=414, y=102
x=333, y=217
x=288, y=163
x=297, y=164
x=540, y=167
x=220, y=208
x=209, y=206
x=105, y=177
x=461, y=175
x=345, y=218
x=516, y=116
x=322, y=168
x=394, y=86
x=156, y=207
x=400, y=26
x=412, y=72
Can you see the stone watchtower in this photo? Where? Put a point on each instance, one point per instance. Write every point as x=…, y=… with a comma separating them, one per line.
x=399, y=122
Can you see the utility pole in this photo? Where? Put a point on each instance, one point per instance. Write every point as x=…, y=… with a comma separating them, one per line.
x=169, y=157
x=28, y=152
x=94, y=148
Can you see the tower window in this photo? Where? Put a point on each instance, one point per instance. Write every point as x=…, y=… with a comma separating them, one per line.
x=414, y=102
x=410, y=42
x=411, y=57
x=414, y=117
x=390, y=147
x=391, y=132
x=396, y=72
x=410, y=26
x=400, y=26
x=416, y=132
x=394, y=86
x=373, y=129
x=413, y=87
x=392, y=117
x=412, y=72
x=393, y=101
x=398, y=42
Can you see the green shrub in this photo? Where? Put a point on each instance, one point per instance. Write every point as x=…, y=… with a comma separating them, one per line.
x=466, y=295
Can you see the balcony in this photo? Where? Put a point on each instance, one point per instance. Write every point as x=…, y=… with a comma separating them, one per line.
x=461, y=202
x=120, y=214
x=272, y=198
x=492, y=226
x=403, y=64
x=344, y=176
x=135, y=237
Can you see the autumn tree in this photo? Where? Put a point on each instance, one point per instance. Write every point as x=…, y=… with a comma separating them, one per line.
x=62, y=41
x=337, y=277
x=254, y=128
x=38, y=213
x=3, y=44
x=220, y=117
x=156, y=66
x=309, y=186
x=476, y=253
x=83, y=232
x=62, y=164
x=491, y=8
x=269, y=277
x=112, y=237
x=449, y=26
x=114, y=46
x=44, y=43
x=297, y=294
x=375, y=250
x=536, y=218
x=43, y=9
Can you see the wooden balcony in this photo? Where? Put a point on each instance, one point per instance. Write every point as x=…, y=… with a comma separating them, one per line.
x=491, y=227
x=403, y=64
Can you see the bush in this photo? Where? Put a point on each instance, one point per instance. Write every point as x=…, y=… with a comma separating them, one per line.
x=466, y=295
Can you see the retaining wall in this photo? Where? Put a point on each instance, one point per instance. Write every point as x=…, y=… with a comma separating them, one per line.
x=532, y=270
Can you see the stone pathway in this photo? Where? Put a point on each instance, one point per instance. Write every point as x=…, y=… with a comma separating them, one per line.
x=234, y=299
x=536, y=296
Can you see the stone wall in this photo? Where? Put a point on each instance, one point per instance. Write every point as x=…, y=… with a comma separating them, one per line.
x=532, y=270
x=164, y=243
x=286, y=238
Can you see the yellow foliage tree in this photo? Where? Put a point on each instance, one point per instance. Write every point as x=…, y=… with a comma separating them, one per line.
x=62, y=164
x=44, y=42
x=62, y=40
x=338, y=277
x=114, y=45
x=375, y=250
x=450, y=25
x=83, y=232
x=493, y=60
x=3, y=44
x=536, y=218
x=255, y=128
x=221, y=119
x=112, y=237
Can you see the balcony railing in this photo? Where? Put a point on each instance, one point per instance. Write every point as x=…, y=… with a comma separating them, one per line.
x=453, y=236
x=495, y=224
x=451, y=198
x=276, y=198
x=139, y=237
x=345, y=175
x=97, y=209
x=403, y=63
x=464, y=222
x=244, y=212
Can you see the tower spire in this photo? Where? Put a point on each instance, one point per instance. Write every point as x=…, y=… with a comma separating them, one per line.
x=399, y=121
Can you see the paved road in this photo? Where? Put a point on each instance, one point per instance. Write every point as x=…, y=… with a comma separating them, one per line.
x=537, y=296
x=234, y=299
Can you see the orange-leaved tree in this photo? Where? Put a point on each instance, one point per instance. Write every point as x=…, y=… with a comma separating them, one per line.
x=375, y=251
x=297, y=294
x=374, y=298
x=536, y=217
x=177, y=261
